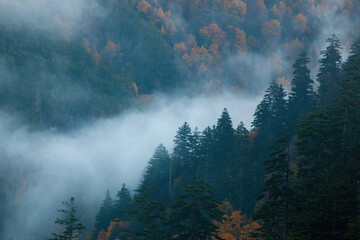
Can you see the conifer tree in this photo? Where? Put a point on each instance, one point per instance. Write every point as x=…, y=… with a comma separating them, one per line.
x=329, y=167
x=150, y=215
x=302, y=98
x=277, y=194
x=157, y=175
x=70, y=221
x=122, y=203
x=224, y=137
x=105, y=214
x=194, y=212
x=329, y=71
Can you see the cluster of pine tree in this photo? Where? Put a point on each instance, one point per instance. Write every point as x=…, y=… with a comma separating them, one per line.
x=303, y=156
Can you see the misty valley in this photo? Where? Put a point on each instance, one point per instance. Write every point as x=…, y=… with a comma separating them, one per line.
x=180, y=119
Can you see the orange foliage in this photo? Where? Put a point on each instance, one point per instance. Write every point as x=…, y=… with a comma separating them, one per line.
x=235, y=7
x=240, y=36
x=180, y=48
x=299, y=22
x=143, y=7
x=213, y=33
x=236, y=227
x=163, y=31
x=271, y=29
x=261, y=5
x=110, y=50
x=103, y=235
x=160, y=13
x=190, y=41
x=282, y=9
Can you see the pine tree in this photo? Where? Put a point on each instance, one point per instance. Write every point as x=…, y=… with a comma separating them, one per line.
x=277, y=193
x=329, y=71
x=150, y=215
x=105, y=214
x=122, y=203
x=329, y=167
x=194, y=212
x=224, y=137
x=302, y=98
x=71, y=223
x=157, y=175
x=182, y=153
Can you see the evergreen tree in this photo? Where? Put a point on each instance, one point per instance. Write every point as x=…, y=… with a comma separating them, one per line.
x=276, y=194
x=329, y=167
x=224, y=137
x=194, y=213
x=329, y=71
x=182, y=153
x=122, y=203
x=302, y=98
x=71, y=223
x=150, y=215
x=270, y=114
x=157, y=175
x=105, y=214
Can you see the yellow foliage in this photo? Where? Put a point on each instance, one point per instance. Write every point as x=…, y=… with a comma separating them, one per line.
x=180, y=48
x=240, y=37
x=261, y=5
x=110, y=50
x=235, y=7
x=143, y=7
x=271, y=29
x=213, y=33
x=163, y=31
x=299, y=22
x=236, y=226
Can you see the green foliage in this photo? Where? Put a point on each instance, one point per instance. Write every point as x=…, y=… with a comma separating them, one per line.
x=70, y=221
x=157, y=175
x=277, y=194
x=150, y=216
x=194, y=211
x=105, y=214
x=329, y=71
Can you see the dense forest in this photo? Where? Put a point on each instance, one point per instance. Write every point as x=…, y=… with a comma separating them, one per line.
x=294, y=174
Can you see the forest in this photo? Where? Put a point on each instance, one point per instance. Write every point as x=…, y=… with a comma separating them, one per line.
x=292, y=173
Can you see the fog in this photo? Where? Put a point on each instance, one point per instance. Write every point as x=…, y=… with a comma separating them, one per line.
x=51, y=166
x=98, y=156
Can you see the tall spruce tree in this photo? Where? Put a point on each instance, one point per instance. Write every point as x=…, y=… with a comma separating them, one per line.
x=105, y=214
x=302, y=98
x=122, y=203
x=277, y=194
x=194, y=212
x=157, y=175
x=224, y=137
x=150, y=216
x=70, y=221
x=329, y=167
x=329, y=71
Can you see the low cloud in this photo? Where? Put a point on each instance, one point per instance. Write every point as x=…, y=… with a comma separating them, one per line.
x=99, y=156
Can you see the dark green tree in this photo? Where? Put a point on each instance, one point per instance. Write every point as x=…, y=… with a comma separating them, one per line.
x=329, y=71
x=224, y=139
x=70, y=221
x=150, y=216
x=122, y=203
x=105, y=214
x=329, y=167
x=276, y=194
x=157, y=175
x=302, y=98
x=194, y=211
